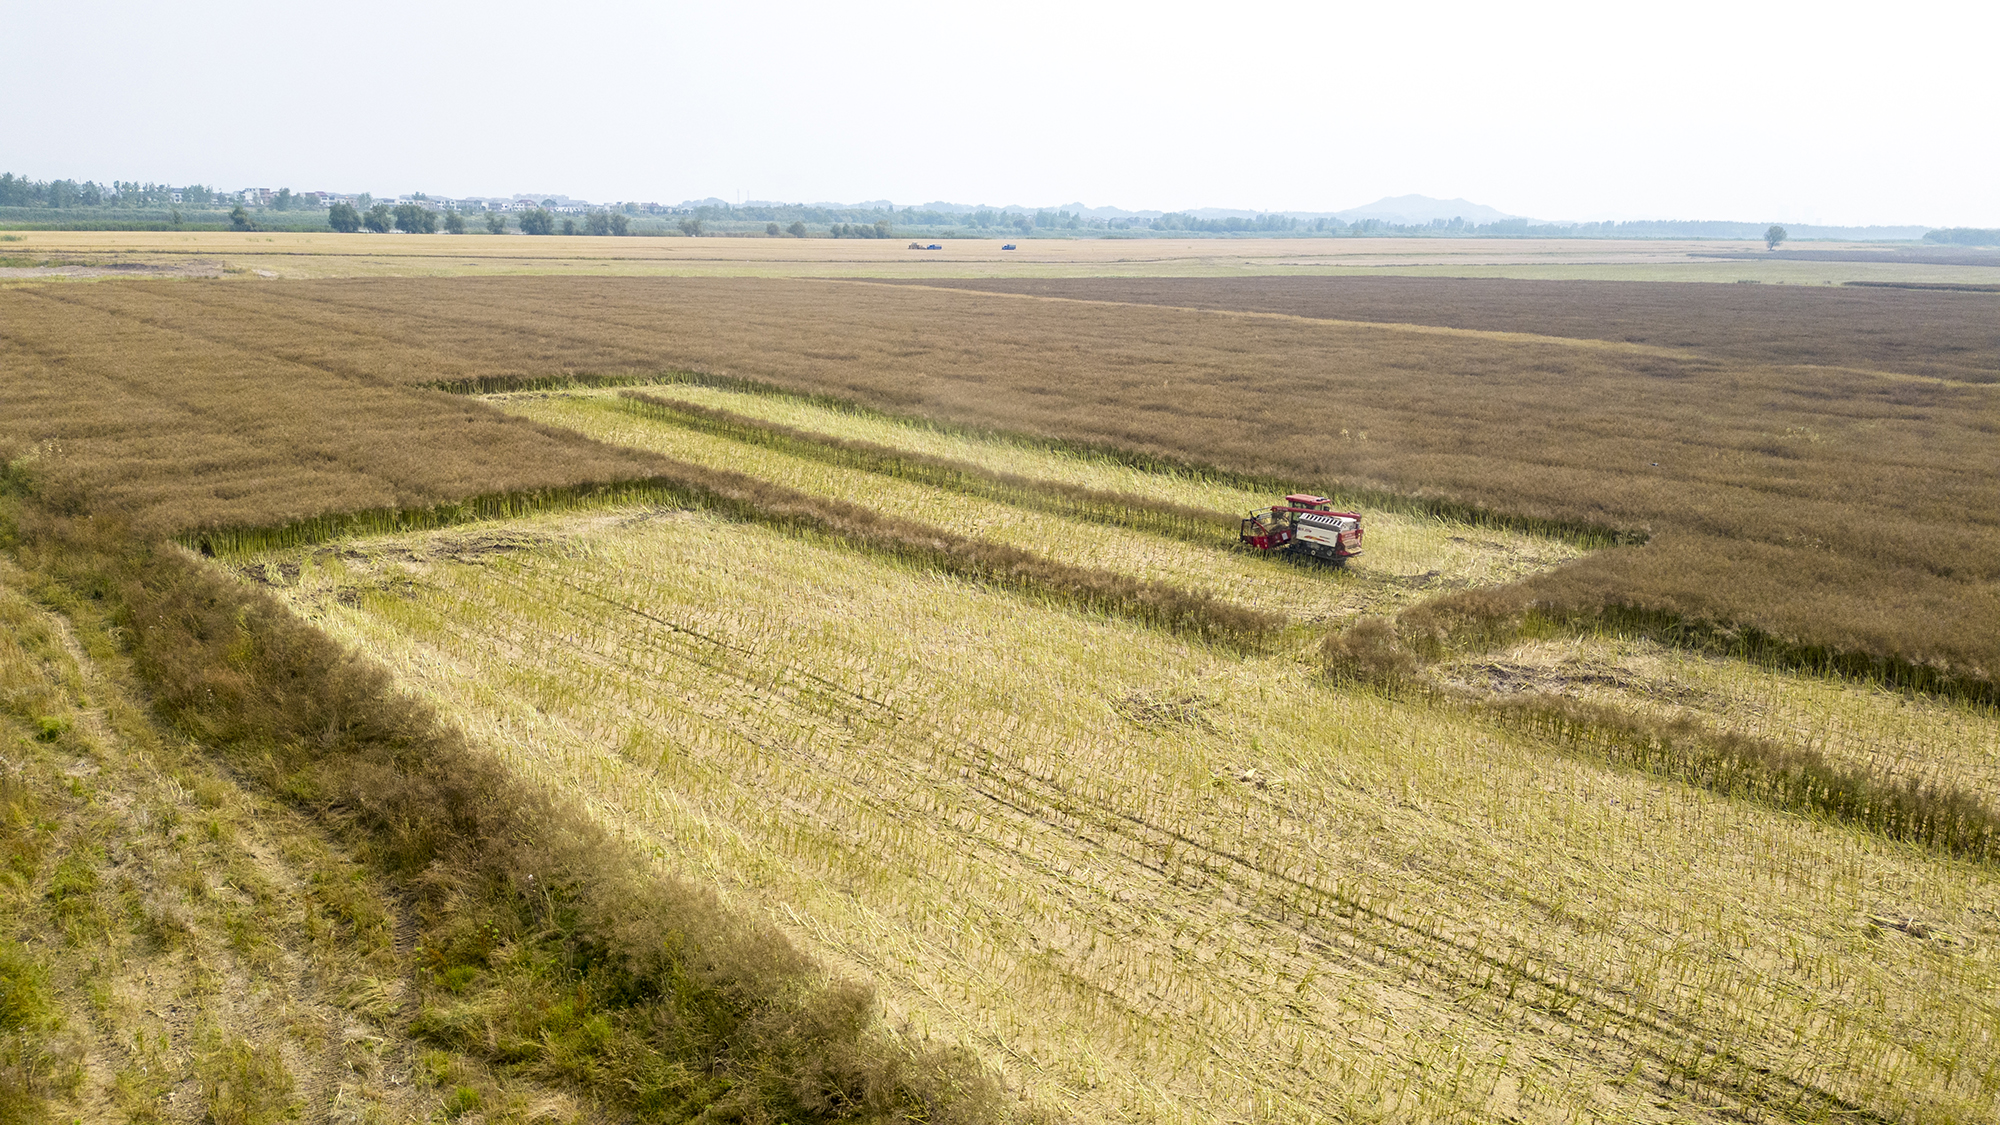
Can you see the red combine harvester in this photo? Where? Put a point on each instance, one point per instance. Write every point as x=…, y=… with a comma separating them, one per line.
x=1305, y=525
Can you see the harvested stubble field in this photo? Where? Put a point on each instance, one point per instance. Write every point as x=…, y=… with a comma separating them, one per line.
x=1157, y=881
x=1145, y=876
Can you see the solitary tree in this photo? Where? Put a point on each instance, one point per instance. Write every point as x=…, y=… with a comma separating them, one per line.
x=797, y=229
x=620, y=225
x=1774, y=236
x=379, y=218
x=569, y=226
x=496, y=223
x=454, y=223
x=598, y=222
x=539, y=220
x=343, y=217
x=284, y=200
x=239, y=219
x=691, y=227
x=772, y=230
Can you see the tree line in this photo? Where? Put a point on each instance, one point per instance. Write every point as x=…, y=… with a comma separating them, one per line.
x=415, y=218
x=1964, y=236
x=20, y=191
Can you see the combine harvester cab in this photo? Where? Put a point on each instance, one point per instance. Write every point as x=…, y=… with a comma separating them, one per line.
x=1304, y=525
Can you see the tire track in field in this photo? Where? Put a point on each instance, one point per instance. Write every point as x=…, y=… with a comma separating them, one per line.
x=1508, y=990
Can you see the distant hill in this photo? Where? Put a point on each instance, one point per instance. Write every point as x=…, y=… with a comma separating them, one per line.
x=1413, y=210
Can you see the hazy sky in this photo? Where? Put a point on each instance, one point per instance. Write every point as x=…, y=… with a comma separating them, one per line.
x=1824, y=112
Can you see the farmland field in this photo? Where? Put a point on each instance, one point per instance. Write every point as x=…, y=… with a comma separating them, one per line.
x=806, y=699
x=276, y=254
x=1839, y=509
x=1943, y=334
x=1155, y=881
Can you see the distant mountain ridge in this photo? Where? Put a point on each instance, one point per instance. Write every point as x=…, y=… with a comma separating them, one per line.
x=1414, y=210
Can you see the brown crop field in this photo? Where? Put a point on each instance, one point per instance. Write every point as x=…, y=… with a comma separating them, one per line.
x=1832, y=507
x=649, y=699
x=1940, y=333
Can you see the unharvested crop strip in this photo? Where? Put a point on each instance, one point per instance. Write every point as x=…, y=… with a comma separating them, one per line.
x=752, y=500
x=1493, y=617
x=1590, y=535
x=1747, y=642
x=1123, y=509
x=1792, y=778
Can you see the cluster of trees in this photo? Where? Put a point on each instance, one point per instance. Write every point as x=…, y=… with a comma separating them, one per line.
x=410, y=218
x=1234, y=224
x=137, y=194
x=1964, y=236
x=20, y=191
x=877, y=229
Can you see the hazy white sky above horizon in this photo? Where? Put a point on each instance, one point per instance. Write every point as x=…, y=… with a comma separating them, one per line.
x=1827, y=112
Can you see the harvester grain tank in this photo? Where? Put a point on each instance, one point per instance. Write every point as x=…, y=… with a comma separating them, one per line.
x=1304, y=525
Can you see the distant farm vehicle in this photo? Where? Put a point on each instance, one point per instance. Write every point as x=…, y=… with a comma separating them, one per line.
x=1007, y=246
x=921, y=246
x=1304, y=525
x=934, y=246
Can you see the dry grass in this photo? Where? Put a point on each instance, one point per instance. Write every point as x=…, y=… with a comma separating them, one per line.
x=1158, y=882
x=540, y=946
x=175, y=945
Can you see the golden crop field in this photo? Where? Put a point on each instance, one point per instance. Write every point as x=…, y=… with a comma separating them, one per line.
x=660, y=698
x=1153, y=881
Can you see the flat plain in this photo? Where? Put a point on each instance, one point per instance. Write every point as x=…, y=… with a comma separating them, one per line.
x=287, y=255
x=919, y=718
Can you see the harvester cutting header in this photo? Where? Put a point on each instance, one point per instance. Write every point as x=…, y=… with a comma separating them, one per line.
x=1305, y=525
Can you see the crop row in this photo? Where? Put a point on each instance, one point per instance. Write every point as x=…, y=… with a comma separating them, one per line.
x=1116, y=509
